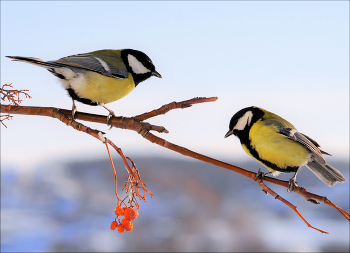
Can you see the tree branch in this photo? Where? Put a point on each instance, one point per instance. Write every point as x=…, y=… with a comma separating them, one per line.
x=136, y=123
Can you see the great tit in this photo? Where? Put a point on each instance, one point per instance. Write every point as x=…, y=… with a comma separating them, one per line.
x=98, y=77
x=277, y=144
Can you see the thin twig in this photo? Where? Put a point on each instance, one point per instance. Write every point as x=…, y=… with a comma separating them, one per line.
x=134, y=179
x=276, y=196
x=174, y=105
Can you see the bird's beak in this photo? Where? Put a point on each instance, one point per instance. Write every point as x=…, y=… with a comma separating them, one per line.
x=230, y=132
x=155, y=73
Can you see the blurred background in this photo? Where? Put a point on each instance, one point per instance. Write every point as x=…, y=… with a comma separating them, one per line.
x=291, y=58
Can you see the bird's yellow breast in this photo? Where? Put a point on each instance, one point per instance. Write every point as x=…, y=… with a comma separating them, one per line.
x=102, y=89
x=276, y=148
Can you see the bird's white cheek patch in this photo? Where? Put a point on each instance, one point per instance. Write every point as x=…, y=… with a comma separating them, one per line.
x=137, y=66
x=244, y=121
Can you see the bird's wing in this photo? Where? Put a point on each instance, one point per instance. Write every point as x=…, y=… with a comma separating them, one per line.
x=93, y=63
x=316, y=144
x=304, y=140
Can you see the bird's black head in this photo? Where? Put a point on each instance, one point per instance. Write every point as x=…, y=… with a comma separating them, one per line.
x=139, y=65
x=243, y=120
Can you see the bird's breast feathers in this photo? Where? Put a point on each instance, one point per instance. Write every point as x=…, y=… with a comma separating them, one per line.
x=276, y=148
x=99, y=88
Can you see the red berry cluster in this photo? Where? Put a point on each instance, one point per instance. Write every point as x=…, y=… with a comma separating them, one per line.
x=126, y=224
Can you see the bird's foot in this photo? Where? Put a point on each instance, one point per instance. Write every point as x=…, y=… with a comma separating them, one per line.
x=74, y=110
x=292, y=184
x=261, y=175
x=111, y=114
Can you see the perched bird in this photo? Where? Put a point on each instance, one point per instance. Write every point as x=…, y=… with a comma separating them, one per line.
x=98, y=77
x=277, y=144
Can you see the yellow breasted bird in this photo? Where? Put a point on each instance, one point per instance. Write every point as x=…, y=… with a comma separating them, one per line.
x=98, y=77
x=277, y=144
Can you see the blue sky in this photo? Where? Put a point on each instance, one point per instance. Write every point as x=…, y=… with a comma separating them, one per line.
x=288, y=57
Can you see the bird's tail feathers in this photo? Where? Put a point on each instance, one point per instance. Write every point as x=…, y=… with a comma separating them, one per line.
x=326, y=173
x=35, y=61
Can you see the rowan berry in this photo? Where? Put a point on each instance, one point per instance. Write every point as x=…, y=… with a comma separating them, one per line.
x=120, y=228
x=114, y=224
x=129, y=227
x=127, y=224
x=131, y=214
x=119, y=211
